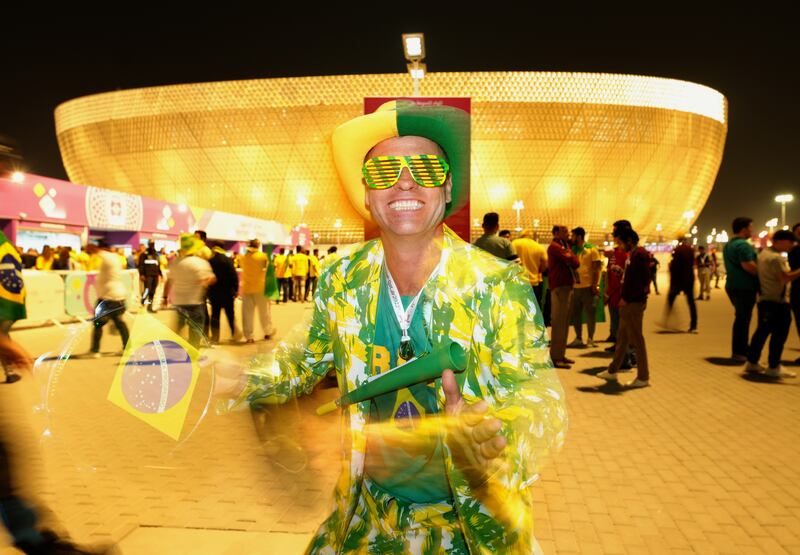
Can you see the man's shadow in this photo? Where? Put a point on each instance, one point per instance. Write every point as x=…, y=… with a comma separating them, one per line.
x=597, y=354
x=724, y=361
x=607, y=387
x=757, y=377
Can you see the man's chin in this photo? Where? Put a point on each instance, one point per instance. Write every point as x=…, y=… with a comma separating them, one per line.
x=409, y=229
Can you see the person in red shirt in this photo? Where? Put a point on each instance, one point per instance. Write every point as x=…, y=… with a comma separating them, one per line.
x=616, y=264
x=632, y=304
x=561, y=266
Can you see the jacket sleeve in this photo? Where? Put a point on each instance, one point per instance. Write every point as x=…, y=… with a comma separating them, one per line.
x=297, y=364
x=527, y=396
x=564, y=255
x=516, y=378
x=637, y=278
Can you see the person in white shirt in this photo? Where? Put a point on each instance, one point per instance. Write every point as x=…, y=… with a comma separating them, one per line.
x=189, y=278
x=110, y=295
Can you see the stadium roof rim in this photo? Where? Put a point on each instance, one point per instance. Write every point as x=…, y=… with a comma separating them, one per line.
x=482, y=87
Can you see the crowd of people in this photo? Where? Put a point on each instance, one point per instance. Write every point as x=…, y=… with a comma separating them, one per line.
x=201, y=274
x=66, y=258
x=582, y=279
x=578, y=286
x=764, y=278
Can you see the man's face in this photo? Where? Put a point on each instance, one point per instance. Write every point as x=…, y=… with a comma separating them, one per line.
x=749, y=231
x=576, y=240
x=797, y=232
x=407, y=208
x=784, y=245
x=562, y=233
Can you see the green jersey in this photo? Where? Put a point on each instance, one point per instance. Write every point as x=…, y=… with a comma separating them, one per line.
x=401, y=458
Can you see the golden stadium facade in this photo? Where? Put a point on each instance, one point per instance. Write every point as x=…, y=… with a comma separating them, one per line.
x=576, y=148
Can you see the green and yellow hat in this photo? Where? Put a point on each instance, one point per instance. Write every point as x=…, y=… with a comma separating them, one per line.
x=190, y=244
x=447, y=126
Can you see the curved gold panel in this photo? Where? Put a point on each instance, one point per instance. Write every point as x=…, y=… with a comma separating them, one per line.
x=576, y=148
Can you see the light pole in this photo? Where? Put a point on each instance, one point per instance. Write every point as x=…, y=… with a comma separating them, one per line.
x=518, y=205
x=414, y=51
x=338, y=225
x=302, y=202
x=771, y=224
x=783, y=199
x=688, y=216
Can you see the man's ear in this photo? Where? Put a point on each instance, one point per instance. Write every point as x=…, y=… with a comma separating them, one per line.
x=448, y=189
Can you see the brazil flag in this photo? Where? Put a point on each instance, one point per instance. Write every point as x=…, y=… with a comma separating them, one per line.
x=12, y=288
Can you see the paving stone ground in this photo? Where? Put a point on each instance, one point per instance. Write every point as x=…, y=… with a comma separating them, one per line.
x=703, y=461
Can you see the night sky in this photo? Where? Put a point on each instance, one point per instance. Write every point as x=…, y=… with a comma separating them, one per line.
x=752, y=59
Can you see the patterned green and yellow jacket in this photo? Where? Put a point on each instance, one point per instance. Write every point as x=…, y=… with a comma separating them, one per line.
x=487, y=306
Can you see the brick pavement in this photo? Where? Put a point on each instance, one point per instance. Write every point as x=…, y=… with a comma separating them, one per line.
x=701, y=462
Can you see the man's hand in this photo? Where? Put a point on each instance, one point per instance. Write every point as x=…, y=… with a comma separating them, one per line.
x=229, y=374
x=473, y=439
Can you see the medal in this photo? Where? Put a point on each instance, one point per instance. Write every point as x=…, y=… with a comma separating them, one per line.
x=406, y=351
x=404, y=317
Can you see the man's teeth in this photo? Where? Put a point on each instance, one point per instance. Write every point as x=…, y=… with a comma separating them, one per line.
x=406, y=205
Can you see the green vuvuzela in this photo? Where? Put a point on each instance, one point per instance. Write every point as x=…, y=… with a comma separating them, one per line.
x=423, y=368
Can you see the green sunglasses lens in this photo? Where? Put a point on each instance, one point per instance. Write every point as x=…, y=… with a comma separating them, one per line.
x=383, y=172
x=428, y=171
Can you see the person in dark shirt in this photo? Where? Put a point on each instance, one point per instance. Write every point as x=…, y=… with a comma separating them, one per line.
x=741, y=284
x=654, y=264
x=223, y=291
x=633, y=302
x=703, y=263
x=681, y=274
x=491, y=242
x=29, y=259
x=794, y=295
x=149, y=266
x=561, y=266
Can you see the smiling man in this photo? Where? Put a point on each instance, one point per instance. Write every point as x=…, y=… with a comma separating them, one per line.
x=444, y=466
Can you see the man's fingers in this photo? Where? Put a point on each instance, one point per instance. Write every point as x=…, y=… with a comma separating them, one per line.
x=474, y=414
x=493, y=448
x=452, y=394
x=486, y=430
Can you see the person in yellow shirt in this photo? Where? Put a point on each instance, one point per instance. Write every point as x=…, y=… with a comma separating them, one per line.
x=313, y=274
x=290, y=273
x=586, y=291
x=284, y=274
x=254, y=272
x=82, y=260
x=95, y=261
x=45, y=261
x=533, y=257
x=300, y=264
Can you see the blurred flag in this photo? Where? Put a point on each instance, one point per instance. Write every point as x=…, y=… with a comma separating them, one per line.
x=271, y=290
x=157, y=376
x=12, y=288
